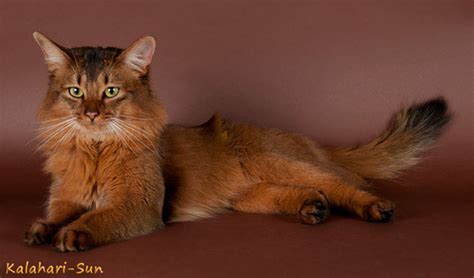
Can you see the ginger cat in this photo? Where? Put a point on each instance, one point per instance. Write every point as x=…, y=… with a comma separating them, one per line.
x=101, y=152
x=111, y=157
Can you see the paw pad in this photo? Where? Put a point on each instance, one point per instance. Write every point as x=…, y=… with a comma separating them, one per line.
x=314, y=211
x=40, y=233
x=380, y=211
x=68, y=240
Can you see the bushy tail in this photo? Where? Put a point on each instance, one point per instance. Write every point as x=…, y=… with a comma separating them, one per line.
x=411, y=132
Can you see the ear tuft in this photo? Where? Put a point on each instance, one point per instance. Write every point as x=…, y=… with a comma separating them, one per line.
x=53, y=54
x=138, y=56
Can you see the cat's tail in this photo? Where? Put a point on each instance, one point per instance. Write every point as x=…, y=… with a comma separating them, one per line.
x=411, y=132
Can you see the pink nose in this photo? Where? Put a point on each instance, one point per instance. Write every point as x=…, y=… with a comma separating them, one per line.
x=92, y=115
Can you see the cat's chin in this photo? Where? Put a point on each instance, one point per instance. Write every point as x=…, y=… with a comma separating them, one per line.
x=97, y=136
x=95, y=131
x=93, y=126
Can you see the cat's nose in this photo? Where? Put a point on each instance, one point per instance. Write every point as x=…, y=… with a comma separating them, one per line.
x=92, y=115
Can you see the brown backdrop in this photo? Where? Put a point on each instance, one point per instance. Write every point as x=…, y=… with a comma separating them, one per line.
x=334, y=70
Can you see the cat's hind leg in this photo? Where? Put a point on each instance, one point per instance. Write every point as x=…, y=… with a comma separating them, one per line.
x=342, y=194
x=309, y=204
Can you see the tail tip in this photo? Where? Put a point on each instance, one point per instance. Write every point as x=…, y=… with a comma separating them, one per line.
x=433, y=112
x=437, y=105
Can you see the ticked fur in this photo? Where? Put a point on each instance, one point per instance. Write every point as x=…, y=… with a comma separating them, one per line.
x=119, y=172
x=102, y=152
x=222, y=165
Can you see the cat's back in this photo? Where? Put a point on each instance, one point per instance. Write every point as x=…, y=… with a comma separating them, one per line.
x=237, y=139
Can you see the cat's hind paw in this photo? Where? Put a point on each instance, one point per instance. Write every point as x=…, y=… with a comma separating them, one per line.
x=380, y=211
x=314, y=211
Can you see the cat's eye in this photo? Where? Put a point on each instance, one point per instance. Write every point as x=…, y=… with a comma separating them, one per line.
x=75, y=92
x=111, y=91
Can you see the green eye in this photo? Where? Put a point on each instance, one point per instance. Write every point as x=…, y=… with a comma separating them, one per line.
x=75, y=92
x=111, y=91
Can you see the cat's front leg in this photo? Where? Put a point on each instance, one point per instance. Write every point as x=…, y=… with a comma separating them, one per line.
x=40, y=232
x=108, y=224
x=59, y=213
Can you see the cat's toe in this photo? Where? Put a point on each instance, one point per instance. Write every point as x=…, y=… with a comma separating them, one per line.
x=68, y=240
x=314, y=211
x=380, y=211
x=40, y=233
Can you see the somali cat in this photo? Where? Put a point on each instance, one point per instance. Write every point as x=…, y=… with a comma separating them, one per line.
x=99, y=129
x=107, y=167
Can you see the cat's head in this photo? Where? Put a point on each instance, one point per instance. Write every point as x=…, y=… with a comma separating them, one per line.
x=97, y=92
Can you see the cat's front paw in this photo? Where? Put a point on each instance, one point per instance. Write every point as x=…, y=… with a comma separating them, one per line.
x=314, y=211
x=379, y=211
x=69, y=240
x=40, y=233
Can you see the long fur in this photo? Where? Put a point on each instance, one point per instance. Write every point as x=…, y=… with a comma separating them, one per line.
x=107, y=183
x=125, y=173
x=221, y=165
x=411, y=132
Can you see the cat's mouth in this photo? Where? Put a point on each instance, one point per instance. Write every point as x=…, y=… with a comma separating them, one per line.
x=91, y=124
x=96, y=131
x=94, y=126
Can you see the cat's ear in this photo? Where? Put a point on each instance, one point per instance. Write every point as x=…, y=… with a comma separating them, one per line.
x=139, y=54
x=54, y=56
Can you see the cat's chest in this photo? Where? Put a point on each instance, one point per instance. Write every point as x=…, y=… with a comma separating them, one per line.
x=83, y=177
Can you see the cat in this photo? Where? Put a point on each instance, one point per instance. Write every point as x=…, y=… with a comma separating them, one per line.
x=99, y=129
x=120, y=171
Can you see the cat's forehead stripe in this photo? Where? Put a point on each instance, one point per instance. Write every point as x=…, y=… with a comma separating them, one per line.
x=93, y=63
x=95, y=60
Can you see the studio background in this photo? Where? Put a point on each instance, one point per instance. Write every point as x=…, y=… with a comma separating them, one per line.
x=333, y=70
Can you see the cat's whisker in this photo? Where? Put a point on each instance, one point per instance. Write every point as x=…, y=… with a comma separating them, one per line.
x=50, y=137
x=144, y=114
x=117, y=131
x=141, y=132
x=138, y=136
x=54, y=134
x=129, y=135
x=69, y=131
x=49, y=129
x=44, y=122
x=136, y=118
x=49, y=126
x=53, y=127
x=124, y=141
x=54, y=120
x=135, y=137
x=136, y=128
